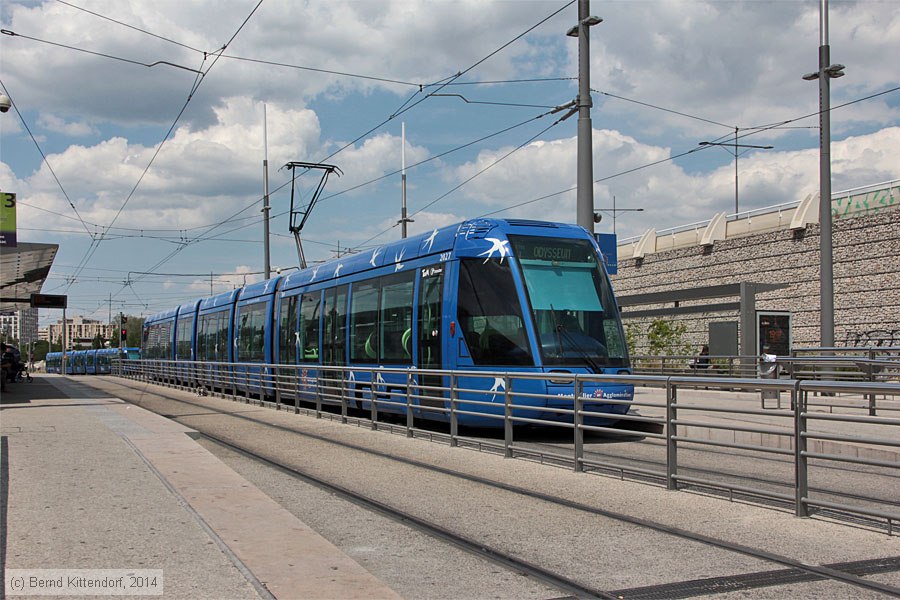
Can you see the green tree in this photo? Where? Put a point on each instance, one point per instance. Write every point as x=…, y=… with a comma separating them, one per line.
x=632, y=337
x=40, y=349
x=667, y=338
x=97, y=342
x=133, y=327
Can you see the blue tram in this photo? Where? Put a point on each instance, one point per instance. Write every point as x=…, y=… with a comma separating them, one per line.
x=492, y=295
x=53, y=362
x=89, y=362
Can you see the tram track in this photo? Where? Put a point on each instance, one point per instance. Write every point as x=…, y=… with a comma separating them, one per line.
x=432, y=529
x=792, y=569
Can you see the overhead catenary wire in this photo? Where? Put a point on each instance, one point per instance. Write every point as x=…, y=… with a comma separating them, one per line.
x=453, y=83
x=749, y=132
x=144, y=31
x=480, y=172
x=220, y=53
x=654, y=106
x=197, y=83
x=407, y=106
x=101, y=54
x=44, y=159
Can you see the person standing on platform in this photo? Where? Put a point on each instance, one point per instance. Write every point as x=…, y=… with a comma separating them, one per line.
x=8, y=364
x=702, y=360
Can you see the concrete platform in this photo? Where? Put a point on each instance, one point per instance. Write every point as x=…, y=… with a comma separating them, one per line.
x=94, y=483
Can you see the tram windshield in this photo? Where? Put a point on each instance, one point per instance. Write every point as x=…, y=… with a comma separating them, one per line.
x=575, y=316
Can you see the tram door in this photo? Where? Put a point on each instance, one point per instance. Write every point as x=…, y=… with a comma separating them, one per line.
x=431, y=292
x=334, y=339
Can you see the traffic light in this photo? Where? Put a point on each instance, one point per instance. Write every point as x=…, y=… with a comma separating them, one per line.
x=124, y=334
x=124, y=318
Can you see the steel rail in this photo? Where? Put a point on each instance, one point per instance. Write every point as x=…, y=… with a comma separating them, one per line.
x=820, y=571
x=434, y=530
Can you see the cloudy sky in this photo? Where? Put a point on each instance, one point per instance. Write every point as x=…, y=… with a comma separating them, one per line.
x=150, y=178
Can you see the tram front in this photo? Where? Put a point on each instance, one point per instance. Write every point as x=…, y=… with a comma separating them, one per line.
x=576, y=320
x=543, y=303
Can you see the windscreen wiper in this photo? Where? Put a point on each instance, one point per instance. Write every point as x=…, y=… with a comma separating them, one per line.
x=590, y=362
x=557, y=328
x=562, y=331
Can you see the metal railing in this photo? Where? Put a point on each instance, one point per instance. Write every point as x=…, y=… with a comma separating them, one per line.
x=672, y=415
x=688, y=364
x=869, y=364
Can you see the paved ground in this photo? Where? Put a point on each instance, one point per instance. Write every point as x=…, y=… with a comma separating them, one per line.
x=122, y=488
x=95, y=483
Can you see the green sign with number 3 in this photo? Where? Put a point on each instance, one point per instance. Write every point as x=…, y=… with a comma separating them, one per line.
x=7, y=219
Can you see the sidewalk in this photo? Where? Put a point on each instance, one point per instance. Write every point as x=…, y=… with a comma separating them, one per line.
x=91, y=483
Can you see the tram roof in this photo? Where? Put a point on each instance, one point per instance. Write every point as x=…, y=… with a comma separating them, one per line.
x=440, y=240
x=469, y=238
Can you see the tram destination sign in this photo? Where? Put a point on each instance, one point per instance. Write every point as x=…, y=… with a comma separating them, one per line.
x=552, y=250
x=48, y=301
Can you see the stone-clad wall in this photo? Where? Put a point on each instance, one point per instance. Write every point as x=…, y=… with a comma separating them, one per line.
x=866, y=279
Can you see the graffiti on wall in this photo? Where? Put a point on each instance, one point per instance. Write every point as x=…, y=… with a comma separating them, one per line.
x=874, y=337
x=869, y=203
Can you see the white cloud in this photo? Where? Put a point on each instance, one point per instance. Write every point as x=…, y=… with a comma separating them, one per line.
x=737, y=63
x=242, y=275
x=72, y=129
x=668, y=194
x=199, y=177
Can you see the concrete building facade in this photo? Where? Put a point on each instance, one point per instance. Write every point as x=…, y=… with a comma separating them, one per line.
x=777, y=248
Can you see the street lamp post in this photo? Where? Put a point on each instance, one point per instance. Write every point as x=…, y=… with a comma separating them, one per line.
x=584, y=210
x=736, y=154
x=825, y=73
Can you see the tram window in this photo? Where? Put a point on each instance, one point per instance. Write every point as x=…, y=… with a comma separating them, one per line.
x=575, y=316
x=363, y=316
x=252, y=331
x=202, y=328
x=490, y=314
x=395, y=323
x=166, y=341
x=335, y=325
x=207, y=330
x=309, y=326
x=288, y=341
x=184, y=331
x=430, y=291
x=221, y=339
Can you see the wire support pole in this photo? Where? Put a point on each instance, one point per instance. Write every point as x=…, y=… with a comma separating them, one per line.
x=585, y=177
x=736, y=170
x=825, y=225
x=404, y=219
x=826, y=72
x=267, y=253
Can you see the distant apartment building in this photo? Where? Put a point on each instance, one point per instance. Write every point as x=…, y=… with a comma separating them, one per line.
x=21, y=326
x=79, y=331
